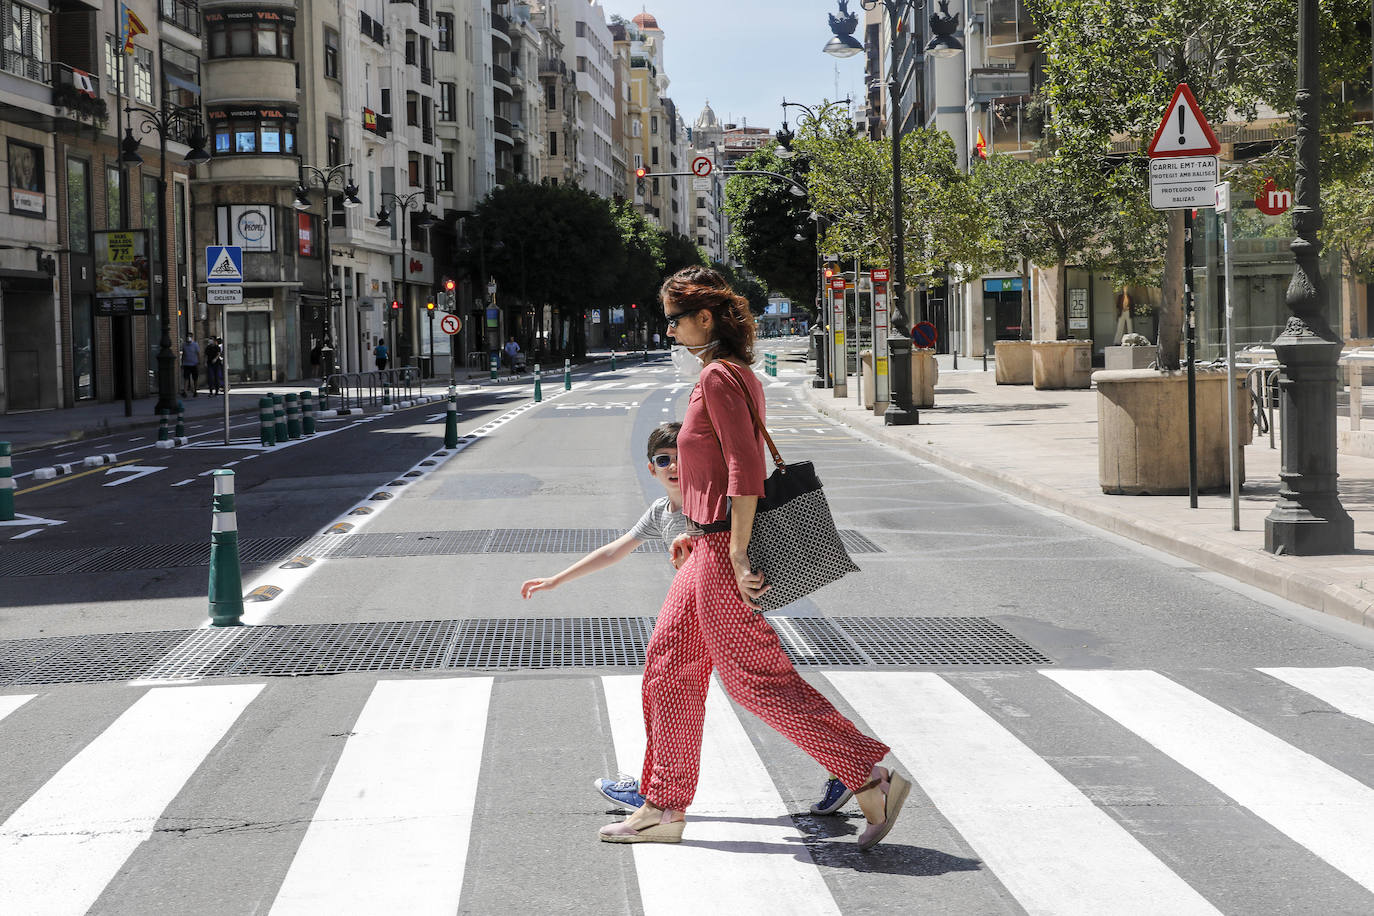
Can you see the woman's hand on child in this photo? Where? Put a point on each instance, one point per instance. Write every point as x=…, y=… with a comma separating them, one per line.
x=534, y=585
x=680, y=550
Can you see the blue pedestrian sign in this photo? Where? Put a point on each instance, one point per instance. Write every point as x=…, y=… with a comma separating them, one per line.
x=223, y=264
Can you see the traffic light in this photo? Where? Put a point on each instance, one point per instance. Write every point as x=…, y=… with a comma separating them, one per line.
x=641, y=172
x=430, y=306
x=641, y=186
x=633, y=306
x=395, y=305
x=829, y=271
x=449, y=284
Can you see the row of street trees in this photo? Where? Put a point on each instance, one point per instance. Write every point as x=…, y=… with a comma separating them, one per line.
x=1084, y=200
x=565, y=247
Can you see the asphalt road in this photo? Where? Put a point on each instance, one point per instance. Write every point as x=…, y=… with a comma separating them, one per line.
x=1190, y=746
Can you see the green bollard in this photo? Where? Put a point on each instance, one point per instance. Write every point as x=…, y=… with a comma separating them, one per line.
x=6, y=484
x=307, y=413
x=181, y=420
x=386, y=394
x=495, y=363
x=279, y=418
x=267, y=422
x=226, y=585
x=567, y=375
x=451, y=419
x=162, y=435
x=538, y=384
x=612, y=360
x=293, y=416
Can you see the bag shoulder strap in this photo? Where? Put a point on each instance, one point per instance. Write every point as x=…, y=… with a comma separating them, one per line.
x=753, y=412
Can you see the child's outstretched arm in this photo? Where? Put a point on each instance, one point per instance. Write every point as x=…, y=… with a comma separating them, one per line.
x=600, y=558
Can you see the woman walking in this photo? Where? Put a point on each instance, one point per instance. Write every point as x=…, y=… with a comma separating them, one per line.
x=709, y=620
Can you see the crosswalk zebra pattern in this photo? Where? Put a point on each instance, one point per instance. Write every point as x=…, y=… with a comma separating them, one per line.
x=391, y=827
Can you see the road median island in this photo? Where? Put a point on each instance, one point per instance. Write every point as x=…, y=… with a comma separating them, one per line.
x=1041, y=446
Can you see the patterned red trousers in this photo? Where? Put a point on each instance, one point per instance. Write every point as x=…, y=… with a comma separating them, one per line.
x=704, y=625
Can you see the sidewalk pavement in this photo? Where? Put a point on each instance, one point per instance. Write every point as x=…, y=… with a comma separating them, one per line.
x=1041, y=446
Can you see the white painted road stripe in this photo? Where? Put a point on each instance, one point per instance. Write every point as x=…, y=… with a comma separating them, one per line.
x=1314, y=803
x=63, y=845
x=1054, y=849
x=391, y=832
x=1351, y=690
x=750, y=860
x=9, y=704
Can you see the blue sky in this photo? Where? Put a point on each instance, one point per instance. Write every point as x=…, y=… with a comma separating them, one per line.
x=745, y=55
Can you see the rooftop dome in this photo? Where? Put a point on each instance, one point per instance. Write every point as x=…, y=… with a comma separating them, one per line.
x=707, y=120
x=646, y=21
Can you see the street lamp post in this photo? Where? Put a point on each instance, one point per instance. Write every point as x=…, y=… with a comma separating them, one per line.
x=943, y=26
x=343, y=173
x=168, y=118
x=404, y=203
x=1308, y=519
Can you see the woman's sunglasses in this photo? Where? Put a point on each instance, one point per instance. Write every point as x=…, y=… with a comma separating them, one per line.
x=662, y=461
x=674, y=318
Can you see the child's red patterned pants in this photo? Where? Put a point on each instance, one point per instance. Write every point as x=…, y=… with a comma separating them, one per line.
x=704, y=625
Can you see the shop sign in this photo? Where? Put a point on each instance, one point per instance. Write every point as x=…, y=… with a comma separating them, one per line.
x=121, y=270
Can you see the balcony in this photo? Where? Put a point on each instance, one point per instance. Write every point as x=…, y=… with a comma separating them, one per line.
x=517, y=131
x=499, y=23
x=24, y=65
x=553, y=65
x=184, y=14
x=427, y=135
x=989, y=84
x=500, y=78
x=69, y=93
x=502, y=128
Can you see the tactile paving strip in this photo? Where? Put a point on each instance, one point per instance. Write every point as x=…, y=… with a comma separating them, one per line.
x=481, y=643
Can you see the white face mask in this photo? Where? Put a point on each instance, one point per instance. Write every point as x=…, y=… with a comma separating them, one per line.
x=687, y=360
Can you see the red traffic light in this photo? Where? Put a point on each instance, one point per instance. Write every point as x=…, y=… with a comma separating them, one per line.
x=641, y=172
x=829, y=271
x=633, y=306
x=449, y=285
x=395, y=305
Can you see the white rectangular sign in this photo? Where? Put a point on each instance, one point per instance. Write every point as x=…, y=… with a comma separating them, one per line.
x=224, y=294
x=701, y=184
x=1183, y=182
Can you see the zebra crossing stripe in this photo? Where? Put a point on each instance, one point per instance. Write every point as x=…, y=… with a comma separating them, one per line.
x=1052, y=847
x=9, y=704
x=730, y=864
x=1312, y=802
x=391, y=832
x=1351, y=690
x=68, y=840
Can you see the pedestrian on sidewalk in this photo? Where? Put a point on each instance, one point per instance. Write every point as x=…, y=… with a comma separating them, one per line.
x=214, y=366
x=512, y=349
x=709, y=619
x=381, y=354
x=315, y=359
x=190, y=366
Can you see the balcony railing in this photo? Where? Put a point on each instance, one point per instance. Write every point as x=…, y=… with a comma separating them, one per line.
x=69, y=93
x=25, y=65
x=427, y=134
x=499, y=23
x=502, y=128
x=182, y=13
x=426, y=75
x=501, y=75
x=553, y=65
x=424, y=12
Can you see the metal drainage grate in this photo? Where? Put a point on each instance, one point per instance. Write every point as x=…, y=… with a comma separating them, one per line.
x=497, y=643
x=937, y=641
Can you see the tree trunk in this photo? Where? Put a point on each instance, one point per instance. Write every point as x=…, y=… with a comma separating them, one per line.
x=1171, y=304
x=1061, y=307
x=1025, y=301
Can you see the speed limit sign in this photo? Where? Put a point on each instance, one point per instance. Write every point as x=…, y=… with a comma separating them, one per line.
x=450, y=324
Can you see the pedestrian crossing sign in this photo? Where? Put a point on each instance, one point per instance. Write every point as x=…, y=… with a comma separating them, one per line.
x=223, y=264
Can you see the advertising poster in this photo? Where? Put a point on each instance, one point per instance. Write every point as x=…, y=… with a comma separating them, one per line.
x=121, y=271
x=27, y=196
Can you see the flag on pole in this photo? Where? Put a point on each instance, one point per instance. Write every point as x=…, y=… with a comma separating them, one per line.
x=981, y=146
x=130, y=25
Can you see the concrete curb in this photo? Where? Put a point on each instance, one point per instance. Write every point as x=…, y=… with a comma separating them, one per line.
x=1260, y=570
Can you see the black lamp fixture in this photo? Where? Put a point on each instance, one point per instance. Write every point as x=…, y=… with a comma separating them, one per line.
x=943, y=26
x=129, y=148
x=843, y=43
x=383, y=218
x=302, y=201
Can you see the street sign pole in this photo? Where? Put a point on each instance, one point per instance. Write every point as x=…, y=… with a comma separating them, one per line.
x=1223, y=201
x=837, y=326
x=881, y=382
x=1190, y=353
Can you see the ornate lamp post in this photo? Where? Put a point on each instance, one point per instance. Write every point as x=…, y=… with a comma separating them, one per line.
x=324, y=178
x=943, y=27
x=176, y=121
x=403, y=203
x=1308, y=519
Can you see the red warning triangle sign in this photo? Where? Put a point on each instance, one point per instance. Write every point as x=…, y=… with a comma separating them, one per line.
x=1184, y=131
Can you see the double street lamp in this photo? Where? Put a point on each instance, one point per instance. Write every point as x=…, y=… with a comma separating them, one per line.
x=325, y=178
x=943, y=43
x=404, y=203
x=178, y=121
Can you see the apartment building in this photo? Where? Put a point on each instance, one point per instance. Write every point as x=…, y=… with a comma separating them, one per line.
x=76, y=321
x=707, y=213
x=558, y=91
x=587, y=52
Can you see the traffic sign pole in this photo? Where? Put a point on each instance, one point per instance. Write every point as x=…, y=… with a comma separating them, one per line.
x=881, y=382
x=1190, y=353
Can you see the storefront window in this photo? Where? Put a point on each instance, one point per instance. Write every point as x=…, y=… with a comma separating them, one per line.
x=251, y=33
x=253, y=130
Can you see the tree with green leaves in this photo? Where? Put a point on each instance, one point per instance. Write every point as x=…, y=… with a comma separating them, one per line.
x=765, y=218
x=1112, y=67
x=642, y=272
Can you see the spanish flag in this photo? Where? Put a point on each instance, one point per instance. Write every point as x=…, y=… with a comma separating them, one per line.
x=130, y=25
x=981, y=146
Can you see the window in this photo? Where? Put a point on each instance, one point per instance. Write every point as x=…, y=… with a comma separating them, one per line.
x=653, y=155
x=113, y=215
x=152, y=218
x=550, y=97
x=79, y=205
x=445, y=176
x=334, y=141
x=413, y=170
x=636, y=128
x=331, y=53
x=143, y=75
x=448, y=102
x=251, y=33
x=180, y=76
x=412, y=109
x=653, y=124
x=23, y=55
x=116, y=67
x=581, y=29
x=639, y=161
x=253, y=130
x=472, y=105
x=553, y=143
x=467, y=40
x=386, y=101
x=444, y=25
x=184, y=13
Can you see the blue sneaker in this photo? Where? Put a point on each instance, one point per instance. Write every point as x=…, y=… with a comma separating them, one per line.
x=835, y=797
x=623, y=792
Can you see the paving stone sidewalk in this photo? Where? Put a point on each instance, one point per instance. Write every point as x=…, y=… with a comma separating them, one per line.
x=1042, y=446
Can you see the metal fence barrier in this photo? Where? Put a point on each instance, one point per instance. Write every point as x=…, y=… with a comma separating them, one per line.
x=359, y=389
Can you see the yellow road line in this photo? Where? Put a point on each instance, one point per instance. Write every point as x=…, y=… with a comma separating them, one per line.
x=67, y=477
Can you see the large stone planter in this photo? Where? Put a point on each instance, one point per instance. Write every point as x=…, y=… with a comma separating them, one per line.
x=1129, y=357
x=1142, y=431
x=1058, y=364
x=1013, y=362
x=925, y=373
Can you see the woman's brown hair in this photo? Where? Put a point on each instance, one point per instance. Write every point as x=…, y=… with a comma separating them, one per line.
x=702, y=287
